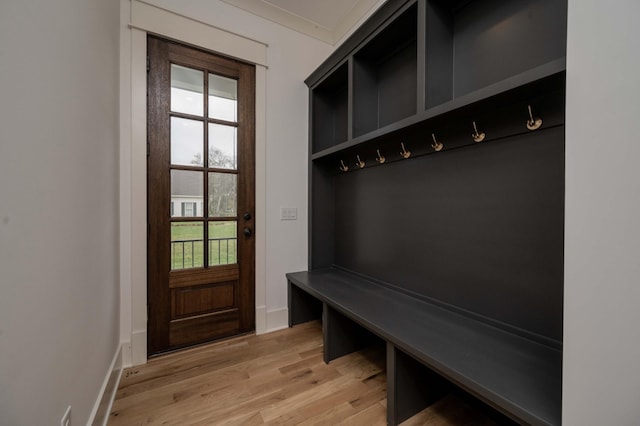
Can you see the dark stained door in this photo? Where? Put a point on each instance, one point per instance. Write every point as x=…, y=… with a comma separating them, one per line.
x=200, y=186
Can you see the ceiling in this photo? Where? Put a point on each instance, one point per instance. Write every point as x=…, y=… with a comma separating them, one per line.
x=326, y=20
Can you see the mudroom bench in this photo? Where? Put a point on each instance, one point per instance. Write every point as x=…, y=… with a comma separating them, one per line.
x=428, y=345
x=436, y=202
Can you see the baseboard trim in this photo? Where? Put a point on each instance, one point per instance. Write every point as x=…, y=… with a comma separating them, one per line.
x=277, y=320
x=261, y=319
x=126, y=355
x=102, y=407
x=139, y=347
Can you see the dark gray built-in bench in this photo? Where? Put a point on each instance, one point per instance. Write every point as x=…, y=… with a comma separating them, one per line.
x=515, y=375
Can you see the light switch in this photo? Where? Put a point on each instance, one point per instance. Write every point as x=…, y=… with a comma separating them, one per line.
x=288, y=213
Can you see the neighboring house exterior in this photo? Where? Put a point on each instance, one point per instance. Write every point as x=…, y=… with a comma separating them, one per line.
x=186, y=206
x=186, y=194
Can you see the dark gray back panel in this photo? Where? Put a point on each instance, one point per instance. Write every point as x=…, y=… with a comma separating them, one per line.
x=397, y=79
x=495, y=39
x=480, y=228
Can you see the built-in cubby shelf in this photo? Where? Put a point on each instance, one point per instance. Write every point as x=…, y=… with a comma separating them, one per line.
x=475, y=44
x=330, y=110
x=385, y=75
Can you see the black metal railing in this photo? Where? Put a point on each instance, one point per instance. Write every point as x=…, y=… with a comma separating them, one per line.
x=189, y=253
x=229, y=252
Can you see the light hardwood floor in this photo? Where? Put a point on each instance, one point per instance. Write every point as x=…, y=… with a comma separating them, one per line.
x=277, y=378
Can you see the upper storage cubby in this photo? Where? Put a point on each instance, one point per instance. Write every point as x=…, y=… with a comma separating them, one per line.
x=330, y=110
x=472, y=44
x=385, y=77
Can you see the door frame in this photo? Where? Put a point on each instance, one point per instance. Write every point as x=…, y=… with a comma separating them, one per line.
x=144, y=19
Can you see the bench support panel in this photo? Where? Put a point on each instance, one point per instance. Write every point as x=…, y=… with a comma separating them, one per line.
x=303, y=307
x=411, y=386
x=342, y=336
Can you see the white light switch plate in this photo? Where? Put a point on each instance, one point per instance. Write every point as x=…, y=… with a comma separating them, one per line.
x=288, y=213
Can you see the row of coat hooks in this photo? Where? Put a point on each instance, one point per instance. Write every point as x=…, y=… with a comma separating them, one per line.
x=533, y=123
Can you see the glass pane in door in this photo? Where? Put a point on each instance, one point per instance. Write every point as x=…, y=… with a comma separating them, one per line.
x=187, y=142
x=223, y=98
x=223, y=147
x=223, y=243
x=186, y=245
x=187, y=193
x=223, y=194
x=187, y=90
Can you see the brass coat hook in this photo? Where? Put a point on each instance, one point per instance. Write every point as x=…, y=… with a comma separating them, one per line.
x=437, y=146
x=533, y=123
x=359, y=162
x=477, y=136
x=404, y=152
x=343, y=167
x=380, y=158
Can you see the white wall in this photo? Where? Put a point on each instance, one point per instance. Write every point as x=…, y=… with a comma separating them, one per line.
x=59, y=286
x=601, y=376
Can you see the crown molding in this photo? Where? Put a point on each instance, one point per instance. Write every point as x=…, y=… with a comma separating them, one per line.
x=303, y=25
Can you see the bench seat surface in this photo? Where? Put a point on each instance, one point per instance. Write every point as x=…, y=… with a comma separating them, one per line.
x=504, y=369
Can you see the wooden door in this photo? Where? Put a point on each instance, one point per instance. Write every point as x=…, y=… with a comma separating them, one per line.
x=200, y=184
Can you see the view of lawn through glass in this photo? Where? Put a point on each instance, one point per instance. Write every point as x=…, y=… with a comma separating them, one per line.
x=187, y=250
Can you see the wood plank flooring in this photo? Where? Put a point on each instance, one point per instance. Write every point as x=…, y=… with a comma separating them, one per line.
x=276, y=379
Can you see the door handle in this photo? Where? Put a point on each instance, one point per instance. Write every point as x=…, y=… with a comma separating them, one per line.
x=247, y=232
x=247, y=216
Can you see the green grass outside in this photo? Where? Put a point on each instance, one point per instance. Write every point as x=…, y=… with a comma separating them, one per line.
x=193, y=254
